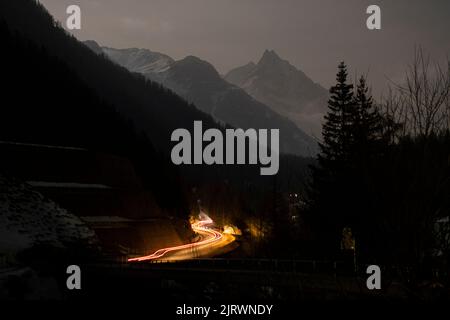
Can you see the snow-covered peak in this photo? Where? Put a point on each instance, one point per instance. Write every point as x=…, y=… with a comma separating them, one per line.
x=139, y=60
x=286, y=89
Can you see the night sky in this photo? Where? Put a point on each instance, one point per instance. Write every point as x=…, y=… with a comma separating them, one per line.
x=314, y=35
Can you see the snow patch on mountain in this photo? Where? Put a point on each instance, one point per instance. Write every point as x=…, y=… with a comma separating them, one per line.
x=198, y=82
x=139, y=60
x=285, y=89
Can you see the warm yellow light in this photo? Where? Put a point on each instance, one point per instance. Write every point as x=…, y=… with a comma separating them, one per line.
x=228, y=229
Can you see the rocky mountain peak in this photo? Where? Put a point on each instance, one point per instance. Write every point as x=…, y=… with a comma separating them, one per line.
x=270, y=56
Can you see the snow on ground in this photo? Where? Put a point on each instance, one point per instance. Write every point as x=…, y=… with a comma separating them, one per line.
x=28, y=218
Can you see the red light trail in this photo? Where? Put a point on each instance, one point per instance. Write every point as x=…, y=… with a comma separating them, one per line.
x=199, y=227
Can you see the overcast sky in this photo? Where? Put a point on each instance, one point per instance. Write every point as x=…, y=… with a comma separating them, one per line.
x=314, y=35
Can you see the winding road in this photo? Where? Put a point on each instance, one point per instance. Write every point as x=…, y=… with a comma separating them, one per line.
x=211, y=242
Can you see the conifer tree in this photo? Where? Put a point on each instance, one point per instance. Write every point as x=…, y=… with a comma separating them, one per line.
x=366, y=122
x=336, y=131
x=328, y=191
x=340, y=188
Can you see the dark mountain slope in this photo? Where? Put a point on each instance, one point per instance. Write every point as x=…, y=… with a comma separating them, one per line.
x=199, y=82
x=152, y=108
x=146, y=111
x=45, y=102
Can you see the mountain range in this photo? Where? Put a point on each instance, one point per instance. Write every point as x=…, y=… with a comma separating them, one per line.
x=199, y=83
x=287, y=90
x=62, y=96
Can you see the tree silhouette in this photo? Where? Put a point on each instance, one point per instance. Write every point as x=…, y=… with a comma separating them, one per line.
x=351, y=137
x=366, y=122
x=336, y=131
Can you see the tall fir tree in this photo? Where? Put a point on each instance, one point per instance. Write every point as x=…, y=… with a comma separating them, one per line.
x=340, y=190
x=336, y=133
x=328, y=195
x=366, y=123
